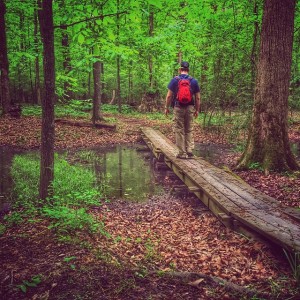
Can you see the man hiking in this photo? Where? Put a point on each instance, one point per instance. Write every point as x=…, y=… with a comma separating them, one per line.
x=184, y=94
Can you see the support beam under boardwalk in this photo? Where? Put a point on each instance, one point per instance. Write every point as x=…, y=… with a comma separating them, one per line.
x=236, y=204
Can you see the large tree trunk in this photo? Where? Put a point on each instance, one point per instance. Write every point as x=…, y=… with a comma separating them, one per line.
x=268, y=142
x=47, y=139
x=4, y=67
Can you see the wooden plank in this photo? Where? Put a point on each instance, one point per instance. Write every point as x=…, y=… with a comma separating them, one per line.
x=229, y=198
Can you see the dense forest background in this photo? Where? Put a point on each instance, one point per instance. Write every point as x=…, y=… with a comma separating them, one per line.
x=136, y=46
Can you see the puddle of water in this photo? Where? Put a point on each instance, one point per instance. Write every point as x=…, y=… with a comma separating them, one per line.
x=295, y=147
x=210, y=152
x=126, y=172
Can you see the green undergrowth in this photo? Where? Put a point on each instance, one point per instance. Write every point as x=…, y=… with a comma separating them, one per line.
x=73, y=193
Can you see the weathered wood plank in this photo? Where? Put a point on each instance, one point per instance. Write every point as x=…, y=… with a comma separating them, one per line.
x=228, y=197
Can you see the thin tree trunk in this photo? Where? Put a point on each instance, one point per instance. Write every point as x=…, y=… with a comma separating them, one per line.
x=268, y=142
x=254, y=46
x=150, y=58
x=97, y=92
x=118, y=92
x=37, y=65
x=22, y=62
x=4, y=66
x=47, y=139
x=66, y=57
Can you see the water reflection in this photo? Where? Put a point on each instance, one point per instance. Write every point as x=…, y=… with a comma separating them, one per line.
x=120, y=172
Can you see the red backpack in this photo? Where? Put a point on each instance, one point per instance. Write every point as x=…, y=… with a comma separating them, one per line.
x=184, y=95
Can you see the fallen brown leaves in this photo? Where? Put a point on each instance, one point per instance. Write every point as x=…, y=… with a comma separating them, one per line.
x=165, y=234
x=169, y=234
x=25, y=133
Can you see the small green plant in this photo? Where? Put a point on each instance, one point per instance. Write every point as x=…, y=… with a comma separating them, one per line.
x=32, y=110
x=2, y=229
x=255, y=166
x=14, y=218
x=294, y=262
x=33, y=282
x=70, y=259
x=74, y=192
x=68, y=219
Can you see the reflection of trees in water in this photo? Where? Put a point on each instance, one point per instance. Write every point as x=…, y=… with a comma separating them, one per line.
x=6, y=181
x=125, y=173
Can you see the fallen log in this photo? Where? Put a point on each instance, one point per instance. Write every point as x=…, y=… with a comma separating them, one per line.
x=85, y=124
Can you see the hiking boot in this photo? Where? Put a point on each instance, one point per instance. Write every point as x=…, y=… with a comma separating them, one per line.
x=190, y=155
x=181, y=155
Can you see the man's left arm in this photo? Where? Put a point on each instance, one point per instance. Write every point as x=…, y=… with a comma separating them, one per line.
x=168, y=101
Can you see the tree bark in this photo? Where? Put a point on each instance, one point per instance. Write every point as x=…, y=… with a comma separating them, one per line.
x=97, y=92
x=254, y=45
x=118, y=89
x=268, y=142
x=37, y=64
x=66, y=57
x=47, y=139
x=150, y=57
x=4, y=66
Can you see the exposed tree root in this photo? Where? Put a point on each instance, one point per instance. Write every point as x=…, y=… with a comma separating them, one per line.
x=195, y=279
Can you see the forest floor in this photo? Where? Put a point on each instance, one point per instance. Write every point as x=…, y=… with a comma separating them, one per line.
x=166, y=248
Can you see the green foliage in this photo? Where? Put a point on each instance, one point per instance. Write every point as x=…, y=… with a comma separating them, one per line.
x=73, y=192
x=32, y=110
x=113, y=109
x=33, y=282
x=216, y=37
x=255, y=166
x=2, y=229
x=69, y=260
x=294, y=262
x=66, y=219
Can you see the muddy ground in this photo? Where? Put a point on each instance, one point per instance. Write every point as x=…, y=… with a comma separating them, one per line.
x=169, y=247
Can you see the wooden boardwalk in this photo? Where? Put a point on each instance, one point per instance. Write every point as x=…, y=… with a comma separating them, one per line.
x=236, y=204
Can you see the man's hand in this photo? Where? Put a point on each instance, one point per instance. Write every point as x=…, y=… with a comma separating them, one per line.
x=196, y=113
x=167, y=111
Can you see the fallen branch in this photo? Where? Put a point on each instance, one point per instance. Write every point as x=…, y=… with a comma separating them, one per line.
x=85, y=124
x=194, y=279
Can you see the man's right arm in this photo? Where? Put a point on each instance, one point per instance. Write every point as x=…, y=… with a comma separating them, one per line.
x=197, y=104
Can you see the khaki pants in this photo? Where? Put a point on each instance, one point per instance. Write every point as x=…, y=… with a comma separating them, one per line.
x=183, y=128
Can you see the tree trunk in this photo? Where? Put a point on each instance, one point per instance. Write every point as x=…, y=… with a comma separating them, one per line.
x=66, y=63
x=97, y=92
x=118, y=90
x=37, y=64
x=254, y=45
x=150, y=57
x=67, y=95
x=268, y=142
x=47, y=139
x=22, y=61
x=4, y=67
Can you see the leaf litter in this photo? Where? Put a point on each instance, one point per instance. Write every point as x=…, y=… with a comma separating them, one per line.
x=147, y=240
